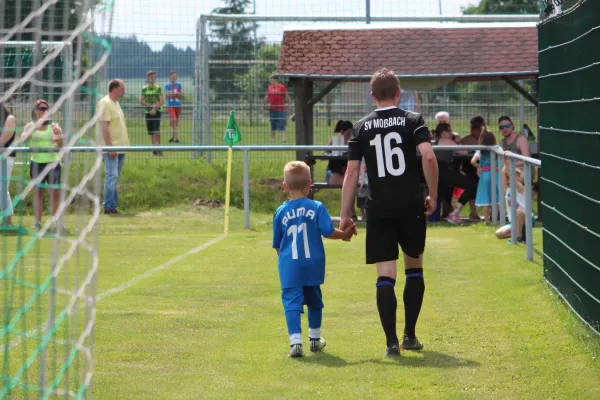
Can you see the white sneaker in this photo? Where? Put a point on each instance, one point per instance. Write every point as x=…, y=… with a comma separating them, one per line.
x=296, y=351
x=317, y=345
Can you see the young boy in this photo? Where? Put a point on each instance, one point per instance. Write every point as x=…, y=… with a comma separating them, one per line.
x=297, y=228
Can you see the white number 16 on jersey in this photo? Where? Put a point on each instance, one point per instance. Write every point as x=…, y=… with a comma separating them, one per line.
x=387, y=163
x=294, y=230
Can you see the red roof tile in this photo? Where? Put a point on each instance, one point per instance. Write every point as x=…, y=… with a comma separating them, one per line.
x=469, y=52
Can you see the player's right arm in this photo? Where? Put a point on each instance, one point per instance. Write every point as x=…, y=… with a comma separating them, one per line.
x=277, y=232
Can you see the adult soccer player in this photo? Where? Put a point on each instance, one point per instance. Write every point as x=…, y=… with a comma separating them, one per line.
x=388, y=139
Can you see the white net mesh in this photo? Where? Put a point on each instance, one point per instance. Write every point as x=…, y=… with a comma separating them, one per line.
x=49, y=50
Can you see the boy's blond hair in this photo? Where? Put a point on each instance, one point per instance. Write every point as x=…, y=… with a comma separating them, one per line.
x=296, y=175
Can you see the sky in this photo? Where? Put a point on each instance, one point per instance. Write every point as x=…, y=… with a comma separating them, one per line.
x=158, y=21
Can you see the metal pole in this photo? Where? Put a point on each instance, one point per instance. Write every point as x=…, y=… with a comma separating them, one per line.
x=513, y=201
x=494, y=187
x=4, y=188
x=205, y=89
x=521, y=108
x=324, y=18
x=68, y=77
x=368, y=11
x=501, y=201
x=440, y=6
x=37, y=52
x=528, y=212
x=197, y=113
x=246, y=190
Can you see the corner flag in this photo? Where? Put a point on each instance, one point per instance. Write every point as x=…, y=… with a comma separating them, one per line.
x=232, y=133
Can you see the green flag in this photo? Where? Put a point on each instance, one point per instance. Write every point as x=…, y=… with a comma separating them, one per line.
x=232, y=133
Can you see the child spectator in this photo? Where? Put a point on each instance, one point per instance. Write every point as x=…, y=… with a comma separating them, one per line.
x=505, y=231
x=482, y=161
x=297, y=228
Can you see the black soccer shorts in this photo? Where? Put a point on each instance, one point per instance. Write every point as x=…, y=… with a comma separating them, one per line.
x=407, y=229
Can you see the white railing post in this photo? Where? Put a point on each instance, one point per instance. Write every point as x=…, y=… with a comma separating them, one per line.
x=502, y=200
x=528, y=211
x=246, y=190
x=494, y=186
x=513, y=201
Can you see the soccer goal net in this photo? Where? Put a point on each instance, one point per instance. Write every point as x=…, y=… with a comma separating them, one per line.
x=50, y=50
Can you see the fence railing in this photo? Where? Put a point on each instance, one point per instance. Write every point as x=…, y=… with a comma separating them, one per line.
x=496, y=161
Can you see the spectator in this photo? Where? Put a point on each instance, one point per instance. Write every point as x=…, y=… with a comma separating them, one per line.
x=443, y=117
x=112, y=130
x=481, y=161
x=277, y=96
x=477, y=125
x=409, y=100
x=174, y=92
x=41, y=133
x=505, y=231
x=443, y=136
x=7, y=135
x=512, y=141
x=152, y=99
x=336, y=169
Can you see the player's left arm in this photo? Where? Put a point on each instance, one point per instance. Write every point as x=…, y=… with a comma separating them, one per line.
x=180, y=94
x=422, y=139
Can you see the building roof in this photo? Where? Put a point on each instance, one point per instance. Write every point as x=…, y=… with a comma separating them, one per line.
x=466, y=53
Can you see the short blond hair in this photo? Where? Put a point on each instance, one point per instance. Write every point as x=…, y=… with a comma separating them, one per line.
x=296, y=175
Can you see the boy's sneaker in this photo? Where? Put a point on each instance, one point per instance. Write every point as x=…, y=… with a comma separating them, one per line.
x=317, y=344
x=393, y=350
x=171, y=140
x=411, y=344
x=37, y=226
x=296, y=351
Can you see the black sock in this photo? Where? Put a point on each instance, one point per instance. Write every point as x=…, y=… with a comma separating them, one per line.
x=414, y=289
x=387, y=305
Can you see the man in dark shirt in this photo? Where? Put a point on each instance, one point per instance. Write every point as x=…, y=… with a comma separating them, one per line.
x=388, y=139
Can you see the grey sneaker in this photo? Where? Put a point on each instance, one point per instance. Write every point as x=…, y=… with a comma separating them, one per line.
x=411, y=344
x=393, y=350
x=317, y=345
x=296, y=351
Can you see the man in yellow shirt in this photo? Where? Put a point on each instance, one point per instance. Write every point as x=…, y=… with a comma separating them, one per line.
x=112, y=131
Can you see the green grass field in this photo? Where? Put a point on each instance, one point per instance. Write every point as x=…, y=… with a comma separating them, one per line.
x=180, y=319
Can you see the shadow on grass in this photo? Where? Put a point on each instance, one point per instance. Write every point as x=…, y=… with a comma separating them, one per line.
x=425, y=358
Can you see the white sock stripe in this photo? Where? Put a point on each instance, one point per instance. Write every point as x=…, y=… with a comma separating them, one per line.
x=295, y=338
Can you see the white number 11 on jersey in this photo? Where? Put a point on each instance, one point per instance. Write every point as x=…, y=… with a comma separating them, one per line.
x=294, y=230
x=389, y=152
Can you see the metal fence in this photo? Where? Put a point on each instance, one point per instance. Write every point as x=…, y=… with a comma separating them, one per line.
x=496, y=153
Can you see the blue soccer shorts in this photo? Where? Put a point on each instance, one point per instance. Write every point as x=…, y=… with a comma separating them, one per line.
x=294, y=299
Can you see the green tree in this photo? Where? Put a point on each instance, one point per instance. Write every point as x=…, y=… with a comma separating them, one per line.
x=504, y=7
x=231, y=41
x=254, y=83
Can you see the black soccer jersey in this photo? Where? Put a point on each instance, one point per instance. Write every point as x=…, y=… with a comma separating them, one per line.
x=388, y=139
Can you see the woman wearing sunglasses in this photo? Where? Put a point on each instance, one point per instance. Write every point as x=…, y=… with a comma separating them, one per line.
x=42, y=133
x=7, y=135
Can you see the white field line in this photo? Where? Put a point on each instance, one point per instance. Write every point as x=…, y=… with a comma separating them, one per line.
x=131, y=282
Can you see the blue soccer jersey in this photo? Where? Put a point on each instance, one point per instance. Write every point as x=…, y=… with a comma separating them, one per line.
x=297, y=229
x=175, y=88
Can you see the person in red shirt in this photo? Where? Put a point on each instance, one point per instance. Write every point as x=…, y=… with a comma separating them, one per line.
x=277, y=96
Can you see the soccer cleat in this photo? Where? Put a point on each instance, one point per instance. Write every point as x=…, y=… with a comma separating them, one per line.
x=296, y=351
x=411, y=344
x=393, y=350
x=317, y=344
